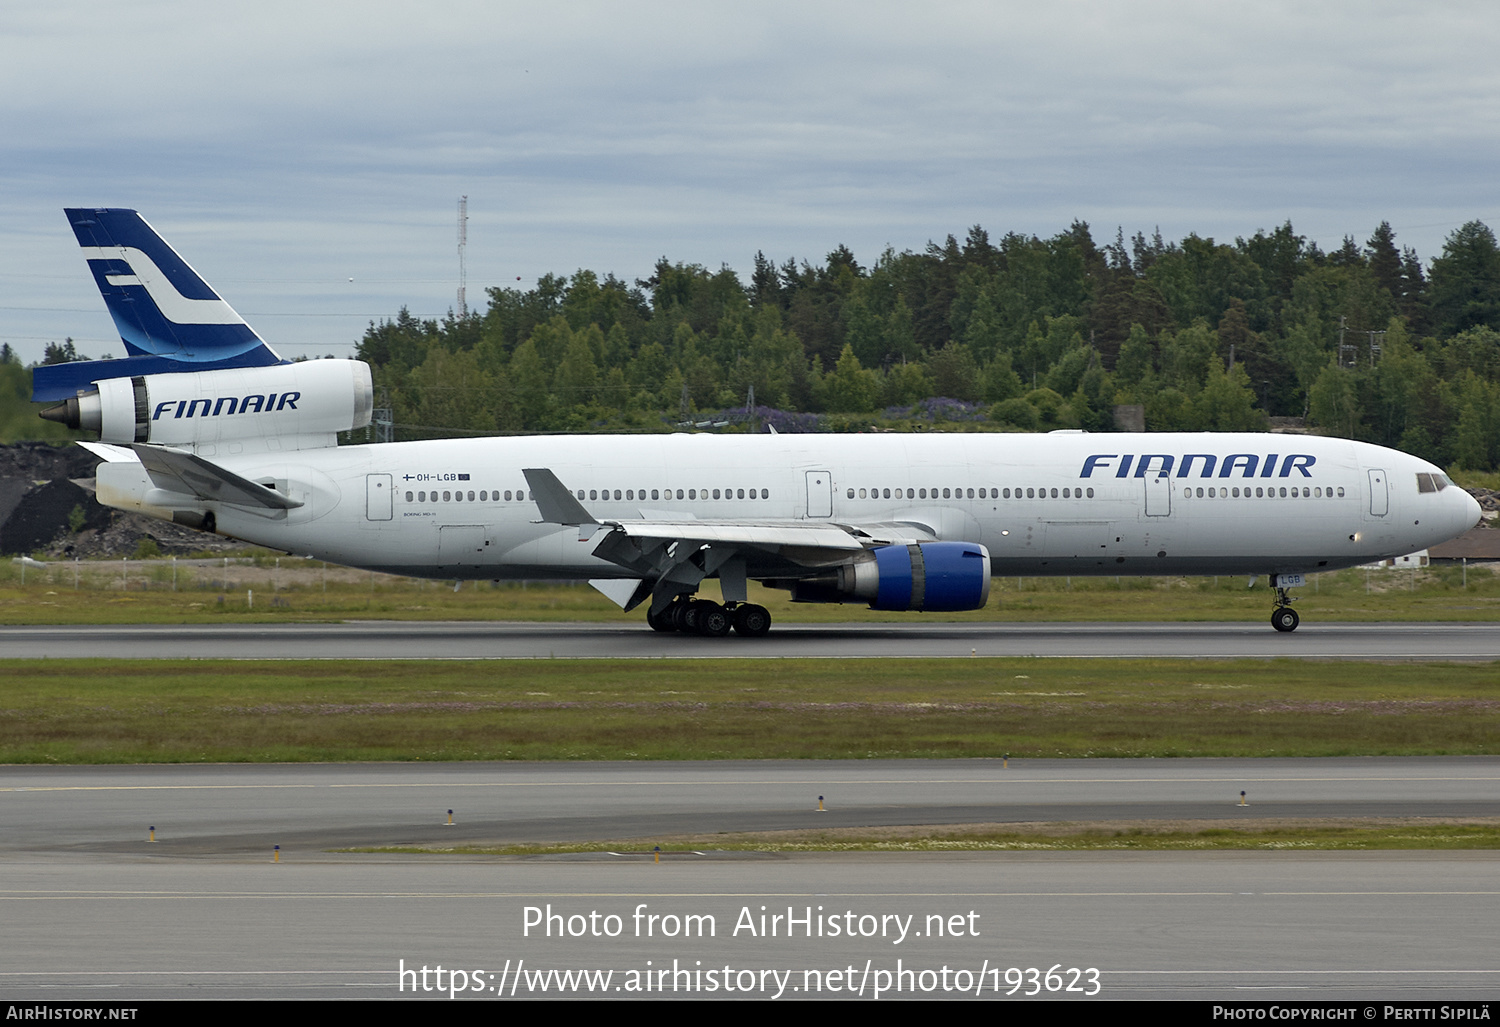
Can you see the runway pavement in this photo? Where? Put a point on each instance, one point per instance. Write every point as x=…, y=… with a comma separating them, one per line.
x=95, y=912
x=388, y=640
x=240, y=811
x=1280, y=926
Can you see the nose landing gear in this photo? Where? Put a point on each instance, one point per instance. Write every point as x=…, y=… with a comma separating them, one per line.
x=1283, y=617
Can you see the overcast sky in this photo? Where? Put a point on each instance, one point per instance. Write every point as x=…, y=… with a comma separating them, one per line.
x=286, y=148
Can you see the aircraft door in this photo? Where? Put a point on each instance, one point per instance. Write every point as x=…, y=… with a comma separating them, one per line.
x=1380, y=497
x=819, y=494
x=378, y=499
x=1158, y=495
x=462, y=546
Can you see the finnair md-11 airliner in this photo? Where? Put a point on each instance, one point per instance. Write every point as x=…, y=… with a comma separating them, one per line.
x=205, y=425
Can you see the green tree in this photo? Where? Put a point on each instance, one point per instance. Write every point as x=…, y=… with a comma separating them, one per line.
x=532, y=384
x=906, y=384
x=1227, y=402
x=577, y=375
x=1000, y=381
x=1137, y=360
x=1385, y=259
x=954, y=372
x=1477, y=436
x=850, y=388
x=1465, y=285
x=1016, y=411
x=1333, y=402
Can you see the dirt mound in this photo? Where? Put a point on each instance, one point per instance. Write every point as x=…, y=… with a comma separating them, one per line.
x=122, y=534
x=37, y=461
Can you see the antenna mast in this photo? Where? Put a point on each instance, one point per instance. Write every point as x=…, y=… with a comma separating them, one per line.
x=463, y=241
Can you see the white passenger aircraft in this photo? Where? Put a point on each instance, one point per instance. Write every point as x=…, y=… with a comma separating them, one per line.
x=203, y=424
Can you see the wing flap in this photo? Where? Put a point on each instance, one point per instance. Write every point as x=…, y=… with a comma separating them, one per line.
x=770, y=536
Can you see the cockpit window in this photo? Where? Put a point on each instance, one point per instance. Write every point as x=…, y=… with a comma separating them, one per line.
x=1425, y=482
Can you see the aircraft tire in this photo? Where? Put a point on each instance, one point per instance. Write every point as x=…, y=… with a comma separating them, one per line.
x=662, y=621
x=1284, y=619
x=714, y=621
x=751, y=621
x=690, y=617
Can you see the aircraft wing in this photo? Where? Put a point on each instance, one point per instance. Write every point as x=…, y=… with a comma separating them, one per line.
x=671, y=555
x=559, y=506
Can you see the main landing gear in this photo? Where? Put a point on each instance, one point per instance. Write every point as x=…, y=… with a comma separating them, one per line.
x=705, y=617
x=1283, y=617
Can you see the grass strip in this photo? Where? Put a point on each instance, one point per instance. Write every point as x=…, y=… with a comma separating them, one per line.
x=1163, y=836
x=261, y=592
x=99, y=711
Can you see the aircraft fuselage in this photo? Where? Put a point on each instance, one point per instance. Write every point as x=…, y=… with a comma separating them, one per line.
x=1075, y=504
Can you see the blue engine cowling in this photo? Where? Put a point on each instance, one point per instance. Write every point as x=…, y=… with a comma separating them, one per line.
x=936, y=576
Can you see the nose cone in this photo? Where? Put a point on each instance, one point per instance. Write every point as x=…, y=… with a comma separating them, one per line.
x=1471, y=512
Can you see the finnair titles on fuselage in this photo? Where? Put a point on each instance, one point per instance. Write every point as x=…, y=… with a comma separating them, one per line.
x=203, y=424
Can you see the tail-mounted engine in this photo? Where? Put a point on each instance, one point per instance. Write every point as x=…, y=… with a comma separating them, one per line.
x=301, y=405
x=936, y=576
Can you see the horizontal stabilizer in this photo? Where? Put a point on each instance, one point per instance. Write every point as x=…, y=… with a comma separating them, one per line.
x=191, y=475
x=110, y=454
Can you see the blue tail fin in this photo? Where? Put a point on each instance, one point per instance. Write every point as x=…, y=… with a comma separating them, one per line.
x=168, y=317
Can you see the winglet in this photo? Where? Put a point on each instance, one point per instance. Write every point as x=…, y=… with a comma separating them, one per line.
x=555, y=502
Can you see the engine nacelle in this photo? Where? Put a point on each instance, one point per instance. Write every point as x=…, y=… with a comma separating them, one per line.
x=302, y=405
x=935, y=576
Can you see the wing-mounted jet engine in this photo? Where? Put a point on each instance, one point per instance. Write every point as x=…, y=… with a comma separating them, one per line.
x=933, y=576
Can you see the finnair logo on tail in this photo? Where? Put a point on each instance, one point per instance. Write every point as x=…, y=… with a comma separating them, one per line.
x=174, y=306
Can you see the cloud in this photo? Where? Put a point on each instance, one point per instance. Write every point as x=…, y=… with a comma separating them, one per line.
x=290, y=146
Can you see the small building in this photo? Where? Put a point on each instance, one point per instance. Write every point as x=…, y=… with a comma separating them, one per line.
x=1400, y=563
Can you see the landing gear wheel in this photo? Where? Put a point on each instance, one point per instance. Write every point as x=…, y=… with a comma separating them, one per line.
x=713, y=619
x=1284, y=619
x=751, y=621
x=662, y=621
x=690, y=619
